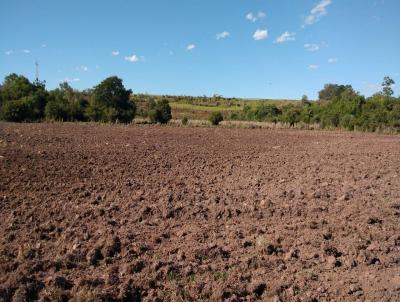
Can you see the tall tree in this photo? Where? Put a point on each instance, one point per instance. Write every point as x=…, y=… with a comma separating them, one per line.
x=387, y=86
x=111, y=102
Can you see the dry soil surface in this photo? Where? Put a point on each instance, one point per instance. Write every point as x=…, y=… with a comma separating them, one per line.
x=150, y=213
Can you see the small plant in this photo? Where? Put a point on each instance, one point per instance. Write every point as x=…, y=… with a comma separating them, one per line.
x=216, y=118
x=185, y=121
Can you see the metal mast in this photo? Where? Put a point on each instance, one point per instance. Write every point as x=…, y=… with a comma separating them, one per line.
x=37, y=70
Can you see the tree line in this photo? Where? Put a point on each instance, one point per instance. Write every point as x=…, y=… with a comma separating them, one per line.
x=109, y=102
x=338, y=106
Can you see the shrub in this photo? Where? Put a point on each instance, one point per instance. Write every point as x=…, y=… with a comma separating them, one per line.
x=216, y=118
x=160, y=112
x=185, y=120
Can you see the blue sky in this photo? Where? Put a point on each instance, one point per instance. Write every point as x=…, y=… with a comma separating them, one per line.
x=242, y=48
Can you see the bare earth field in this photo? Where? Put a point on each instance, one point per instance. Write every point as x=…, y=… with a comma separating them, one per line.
x=149, y=213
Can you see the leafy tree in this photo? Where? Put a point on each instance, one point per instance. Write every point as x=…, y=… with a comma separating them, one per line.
x=65, y=104
x=387, y=86
x=291, y=115
x=216, y=118
x=334, y=91
x=160, y=112
x=22, y=100
x=110, y=102
x=16, y=87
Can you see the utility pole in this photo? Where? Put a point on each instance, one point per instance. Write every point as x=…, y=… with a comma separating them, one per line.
x=37, y=70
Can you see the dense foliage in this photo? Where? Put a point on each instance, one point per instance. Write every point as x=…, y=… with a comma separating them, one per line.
x=160, y=112
x=339, y=106
x=110, y=102
x=216, y=118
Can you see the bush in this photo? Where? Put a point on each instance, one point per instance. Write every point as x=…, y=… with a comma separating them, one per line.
x=185, y=120
x=216, y=118
x=160, y=112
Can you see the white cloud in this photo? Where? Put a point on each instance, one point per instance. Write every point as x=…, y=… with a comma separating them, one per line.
x=115, y=53
x=222, y=35
x=44, y=45
x=82, y=68
x=286, y=36
x=190, y=47
x=313, y=66
x=317, y=12
x=333, y=60
x=70, y=80
x=260, y=34
x=256, y=16
x=133, y=58
x=26, y=51
x=9, y=52
x=311, y=47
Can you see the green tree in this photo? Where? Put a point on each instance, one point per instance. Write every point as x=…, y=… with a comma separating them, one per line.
x=387, y=86
x=111, y=102
x=65, y=104
x=22, y=100
x=332, y=92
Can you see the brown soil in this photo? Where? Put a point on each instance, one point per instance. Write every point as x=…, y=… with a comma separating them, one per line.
x=148, y=213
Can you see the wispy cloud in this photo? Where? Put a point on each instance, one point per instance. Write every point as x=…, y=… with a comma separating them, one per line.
x=133, y=58
x=253, y=17
x=44, y=45
x=260, y=34
x=26, y=51
x=82, y=68
x=190, y=47
x=71, y=80
x=317, y=12
x=222, y=35
x=8, y=52
x=311, y=47
x=333, y=60
x=285, y=37
x=115, y=53
x=313, y=66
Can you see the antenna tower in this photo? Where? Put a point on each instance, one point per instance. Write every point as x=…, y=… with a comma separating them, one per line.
x=37, y=70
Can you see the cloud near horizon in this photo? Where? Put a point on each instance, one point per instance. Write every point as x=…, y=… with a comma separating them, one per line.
x=71, y=80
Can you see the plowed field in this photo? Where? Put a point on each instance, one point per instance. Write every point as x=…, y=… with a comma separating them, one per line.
x=150, y=213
